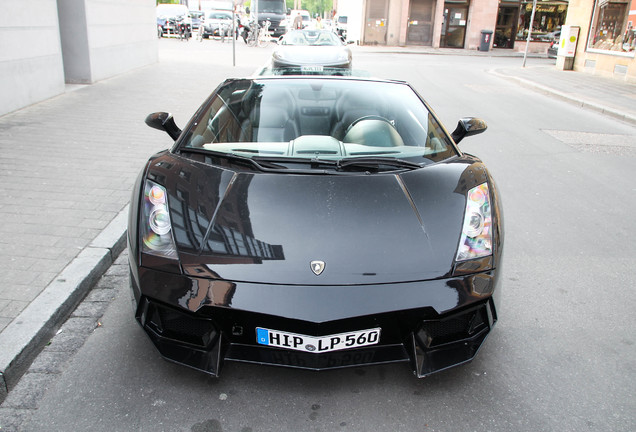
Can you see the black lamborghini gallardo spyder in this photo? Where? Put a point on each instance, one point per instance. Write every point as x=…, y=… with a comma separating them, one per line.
x=315, y=222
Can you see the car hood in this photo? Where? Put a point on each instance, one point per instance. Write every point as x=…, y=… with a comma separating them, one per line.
x=269, y=227
x=311, y=55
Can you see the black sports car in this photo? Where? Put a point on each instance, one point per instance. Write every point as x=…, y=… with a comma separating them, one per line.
x=315, y=222
x=311, y=50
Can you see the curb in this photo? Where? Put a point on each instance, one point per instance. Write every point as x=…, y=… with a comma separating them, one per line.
x=629, y=118
x=29, y=332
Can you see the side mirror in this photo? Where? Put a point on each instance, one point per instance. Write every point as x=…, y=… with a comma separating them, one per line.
x=164, y=122
x=288, y=11
x=247, y=10
x=468, y=126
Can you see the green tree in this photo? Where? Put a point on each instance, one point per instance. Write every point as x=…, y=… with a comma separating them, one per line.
x=315, y=7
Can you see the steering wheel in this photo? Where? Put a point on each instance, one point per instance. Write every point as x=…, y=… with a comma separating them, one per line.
x=368, y=117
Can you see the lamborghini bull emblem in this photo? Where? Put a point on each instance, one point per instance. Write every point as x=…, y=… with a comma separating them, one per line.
x=317, y=267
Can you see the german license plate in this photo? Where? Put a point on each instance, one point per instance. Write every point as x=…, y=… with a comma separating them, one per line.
x=311, y=68
x=317, y=344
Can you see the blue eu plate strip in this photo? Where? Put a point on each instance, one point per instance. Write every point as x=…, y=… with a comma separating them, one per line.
x=262, y=336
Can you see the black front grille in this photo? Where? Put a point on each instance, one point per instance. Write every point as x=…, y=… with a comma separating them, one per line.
x=453, y=328
x=172, y=324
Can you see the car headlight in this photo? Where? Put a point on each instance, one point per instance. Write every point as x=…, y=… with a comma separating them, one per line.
x=156, y=227
x=476, y=238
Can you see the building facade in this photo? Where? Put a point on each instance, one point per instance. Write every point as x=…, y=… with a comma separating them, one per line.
x=454, y=23
x=606, y=43
x=607, y=28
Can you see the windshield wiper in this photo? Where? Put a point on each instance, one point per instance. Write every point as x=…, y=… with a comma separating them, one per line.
x=314, y=162
x=262, y=165
x=374, y=163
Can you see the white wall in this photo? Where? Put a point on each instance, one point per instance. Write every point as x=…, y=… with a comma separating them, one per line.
x=103, y=38
x=30, y=55
x=47, y=43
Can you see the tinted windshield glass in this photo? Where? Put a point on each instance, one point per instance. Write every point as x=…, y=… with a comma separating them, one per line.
x=324, y=118
x=220, y=15
x=311, y=37
x=272, y=6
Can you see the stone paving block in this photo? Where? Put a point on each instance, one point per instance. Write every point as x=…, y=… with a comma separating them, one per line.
x=71, y=242
x=91, y=309
x=122, y=259
x=93, y=223
x=50, y=362
x=48, y=265
x=70, y=341
x=11, y=419
x=101, y=295
x=110, y=280
x=28, y=391
x=20, y=291
x=19, y=264
x=13, y=308
x=4, y=322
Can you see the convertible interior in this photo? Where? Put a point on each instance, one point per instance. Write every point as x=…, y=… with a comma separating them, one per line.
x=308, y=118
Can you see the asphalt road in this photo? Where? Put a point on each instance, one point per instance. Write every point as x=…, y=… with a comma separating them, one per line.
x=562, y=357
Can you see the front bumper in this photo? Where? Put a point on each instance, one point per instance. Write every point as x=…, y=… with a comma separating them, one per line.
x=202, y=329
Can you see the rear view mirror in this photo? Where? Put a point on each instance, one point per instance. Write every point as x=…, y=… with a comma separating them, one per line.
x=468, y=126
x=165, y=122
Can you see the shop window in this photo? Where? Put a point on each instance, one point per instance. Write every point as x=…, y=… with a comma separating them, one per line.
x=548, y=18
x=611, y=29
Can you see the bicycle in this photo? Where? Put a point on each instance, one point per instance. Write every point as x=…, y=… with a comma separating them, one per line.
x=184, y=34
x=264, y=37
x=224, y=30
x=252, y=34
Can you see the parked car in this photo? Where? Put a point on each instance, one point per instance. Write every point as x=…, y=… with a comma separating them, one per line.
x=315, y=222
x=170, y=16
x=311, y=50
x=197, y=18
x=217, y=21
x=553, y=49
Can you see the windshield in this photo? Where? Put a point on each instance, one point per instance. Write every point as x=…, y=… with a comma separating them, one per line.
x=311, y=37
x=271, y=6
x=217, y=15
x=325, y=118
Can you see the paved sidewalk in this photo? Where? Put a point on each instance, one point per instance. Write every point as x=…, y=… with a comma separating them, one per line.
x=606, y=95
x=68, y=165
